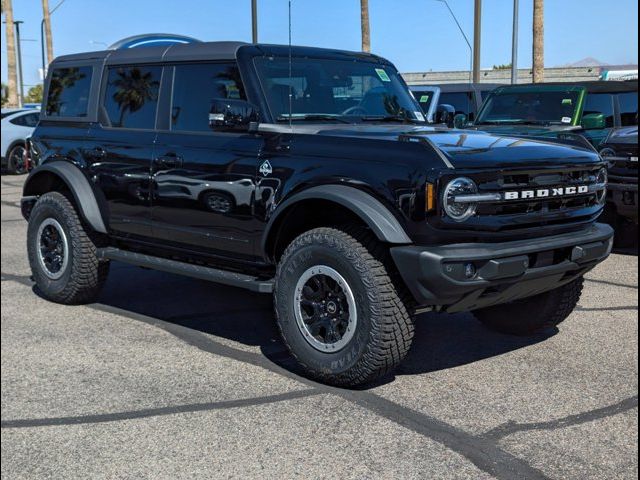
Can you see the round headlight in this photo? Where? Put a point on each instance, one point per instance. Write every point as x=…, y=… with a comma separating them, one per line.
x=455, y=206
x=601, y=180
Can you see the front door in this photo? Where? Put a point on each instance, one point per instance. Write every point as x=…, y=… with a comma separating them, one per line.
x=203, y=182
x=119, y=149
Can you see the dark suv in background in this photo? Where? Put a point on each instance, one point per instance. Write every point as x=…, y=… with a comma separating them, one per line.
x=309, y=174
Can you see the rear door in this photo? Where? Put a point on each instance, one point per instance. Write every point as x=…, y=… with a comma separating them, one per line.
x=119, y=147
x=203, y=181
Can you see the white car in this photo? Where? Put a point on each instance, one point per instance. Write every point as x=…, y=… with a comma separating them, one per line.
x=15, y=127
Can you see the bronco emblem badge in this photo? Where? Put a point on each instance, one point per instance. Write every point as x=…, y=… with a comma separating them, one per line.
x=265, y=169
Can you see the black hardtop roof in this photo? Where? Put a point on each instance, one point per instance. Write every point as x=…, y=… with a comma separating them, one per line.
x=206, y=51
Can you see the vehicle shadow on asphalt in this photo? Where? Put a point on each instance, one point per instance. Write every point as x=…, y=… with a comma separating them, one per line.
x=442, y=341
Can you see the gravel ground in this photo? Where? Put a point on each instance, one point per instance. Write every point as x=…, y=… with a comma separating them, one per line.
x=169, y=377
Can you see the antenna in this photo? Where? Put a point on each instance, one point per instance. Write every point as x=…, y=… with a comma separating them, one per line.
x=290, y=74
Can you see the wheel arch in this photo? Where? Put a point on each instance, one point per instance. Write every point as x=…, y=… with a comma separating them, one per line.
x=54, y=175
x=347, y=203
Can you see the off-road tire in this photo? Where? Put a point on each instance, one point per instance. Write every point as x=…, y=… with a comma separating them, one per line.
x=533, y=315
x=84, y=275
x=384, y=328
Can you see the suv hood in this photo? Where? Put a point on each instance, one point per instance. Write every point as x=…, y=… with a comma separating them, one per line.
x=469, y=149
x=525, y=130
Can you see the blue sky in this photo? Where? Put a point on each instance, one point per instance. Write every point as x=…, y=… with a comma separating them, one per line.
x=417, y=35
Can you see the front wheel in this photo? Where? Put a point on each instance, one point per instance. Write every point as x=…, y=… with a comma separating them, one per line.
x=339, y=312
x=534, y=314
x=16, y=164
x=62, y=254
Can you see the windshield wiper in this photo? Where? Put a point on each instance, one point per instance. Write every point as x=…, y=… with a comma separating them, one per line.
x=312, y=117
x=387, y=118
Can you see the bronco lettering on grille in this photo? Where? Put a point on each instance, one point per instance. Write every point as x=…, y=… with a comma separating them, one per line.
x=546, y=193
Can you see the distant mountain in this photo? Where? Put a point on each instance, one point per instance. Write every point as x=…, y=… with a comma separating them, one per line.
x=586, y=62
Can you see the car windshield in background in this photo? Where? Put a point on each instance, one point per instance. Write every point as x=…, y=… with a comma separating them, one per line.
x=535, y=108
x=335, y=91
x=424, y=98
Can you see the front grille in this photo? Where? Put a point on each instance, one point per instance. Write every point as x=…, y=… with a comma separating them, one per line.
x=502, y=214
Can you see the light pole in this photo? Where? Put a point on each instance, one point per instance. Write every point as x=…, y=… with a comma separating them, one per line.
x=514, y=44
x=465, y=39
x=44, y=59
x=254, y=21
x=21, y=90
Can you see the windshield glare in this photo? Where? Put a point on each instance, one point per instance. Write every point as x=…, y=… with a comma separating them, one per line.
x=323, y=89
x=530, y=107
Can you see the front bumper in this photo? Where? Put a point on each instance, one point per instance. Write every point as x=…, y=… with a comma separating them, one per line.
x=436, y=276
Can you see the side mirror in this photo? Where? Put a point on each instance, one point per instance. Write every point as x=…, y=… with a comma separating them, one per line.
x=460, y=121
x=231, y=114
x=593, y=121
x=445, y=114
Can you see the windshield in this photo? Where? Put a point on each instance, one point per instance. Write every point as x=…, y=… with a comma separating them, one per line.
x=541, y=107
x=335, y=90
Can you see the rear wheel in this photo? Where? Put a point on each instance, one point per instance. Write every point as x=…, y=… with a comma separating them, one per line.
x=62, y=253
x=16, y=160
x=339, y=312
x=534, y=314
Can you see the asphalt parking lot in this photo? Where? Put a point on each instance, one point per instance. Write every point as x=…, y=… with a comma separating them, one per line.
x=169, y=377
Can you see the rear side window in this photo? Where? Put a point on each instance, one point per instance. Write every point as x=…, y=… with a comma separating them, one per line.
x=195, y=86
x=28, y=120
x=600, y=103
x=628, y=108
x=131, y=96
x=68, y=94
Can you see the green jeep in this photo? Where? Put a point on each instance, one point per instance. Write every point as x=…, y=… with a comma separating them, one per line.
x=591, y=109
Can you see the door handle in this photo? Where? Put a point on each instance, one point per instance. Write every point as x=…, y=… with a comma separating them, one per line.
x=170, y=160
x=96, y=153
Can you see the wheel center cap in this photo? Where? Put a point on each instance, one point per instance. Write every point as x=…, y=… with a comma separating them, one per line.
x=332, y=307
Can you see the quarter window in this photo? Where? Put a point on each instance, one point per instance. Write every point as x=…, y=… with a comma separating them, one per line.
x=68, y=94
x=131, y=96
x=195, y=86
x=28, y=120
x=628, y=108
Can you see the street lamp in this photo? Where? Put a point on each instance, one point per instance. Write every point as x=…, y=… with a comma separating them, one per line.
x=465, y=39
x=44, y=60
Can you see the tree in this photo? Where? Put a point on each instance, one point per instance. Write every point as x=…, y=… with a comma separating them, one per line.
x=34, y=95
x=365, y=26
x=502, y=66
x=538, y=41
x=12, y=69
x=46, y=15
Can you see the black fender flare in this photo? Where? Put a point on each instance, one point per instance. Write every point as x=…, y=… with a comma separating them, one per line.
x=77, y=184
x=382, y=222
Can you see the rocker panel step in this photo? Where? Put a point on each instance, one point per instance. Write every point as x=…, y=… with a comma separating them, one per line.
x=196, y=271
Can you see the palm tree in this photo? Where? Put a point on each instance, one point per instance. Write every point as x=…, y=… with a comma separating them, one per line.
x=46, y=15
x=134, y=89
x=538, y=41
x=364, y=22
x=12, y=71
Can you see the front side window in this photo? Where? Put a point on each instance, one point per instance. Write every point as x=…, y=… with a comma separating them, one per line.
x=194, y=88
x=131, y=96
x=461, y=101
x=424, y=98
x=600, y=103
x=545, y=107
x=628, y=108
x=335, y=90
x=68, y=94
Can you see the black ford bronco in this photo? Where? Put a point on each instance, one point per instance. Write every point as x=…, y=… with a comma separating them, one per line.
x=309, y=174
